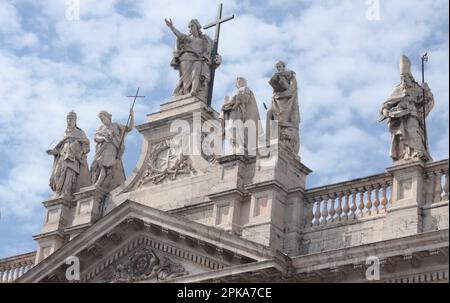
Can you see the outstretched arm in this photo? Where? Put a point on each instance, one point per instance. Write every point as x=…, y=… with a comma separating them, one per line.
x=176, y=32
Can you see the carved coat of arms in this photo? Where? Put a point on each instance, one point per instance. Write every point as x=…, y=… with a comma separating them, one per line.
x=167, y=161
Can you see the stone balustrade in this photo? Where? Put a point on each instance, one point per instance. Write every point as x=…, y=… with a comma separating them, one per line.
x=14, y=267
x=349, y=200
x=436, y=182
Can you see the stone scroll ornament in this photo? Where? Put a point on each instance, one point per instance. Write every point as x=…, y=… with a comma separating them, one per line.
x=405, y=112
x=167, y=161
x=70, y=169
x=284, y=108
x=145, y=264
x=107, y=168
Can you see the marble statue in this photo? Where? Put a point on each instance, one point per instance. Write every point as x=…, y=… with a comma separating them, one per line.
x=241, y=107
x=404, y=112
x=192, y=59
x=107, y=169
x=70, y=170
x=284, y=107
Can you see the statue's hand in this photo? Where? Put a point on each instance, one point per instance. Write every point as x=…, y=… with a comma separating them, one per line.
x=169, y=23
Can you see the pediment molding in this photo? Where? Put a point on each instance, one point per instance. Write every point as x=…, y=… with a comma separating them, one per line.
x=201, y=245
x=160, y=248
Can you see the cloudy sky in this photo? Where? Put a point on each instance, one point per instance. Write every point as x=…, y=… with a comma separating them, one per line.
x=345, y=54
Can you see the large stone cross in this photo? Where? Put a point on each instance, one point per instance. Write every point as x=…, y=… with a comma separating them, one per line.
x=219, y=20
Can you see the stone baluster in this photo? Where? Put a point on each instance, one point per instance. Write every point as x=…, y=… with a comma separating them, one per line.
x=369, y=200
x=445, y=197
x=346, y=205
x=325, y=209
x=317, y=213
x=361, y=202
x=438, y=187
x=353, y=208
x=384, y=188
x=376, y=202
x=391, y=196
x=339, y=206
x=429, y=188
x=309, y=213
x=332, y=210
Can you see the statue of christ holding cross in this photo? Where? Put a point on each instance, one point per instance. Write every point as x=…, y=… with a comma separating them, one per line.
x=196, y=58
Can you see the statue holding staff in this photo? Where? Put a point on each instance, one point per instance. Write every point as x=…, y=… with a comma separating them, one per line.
x=107, y=168
x=405, y=111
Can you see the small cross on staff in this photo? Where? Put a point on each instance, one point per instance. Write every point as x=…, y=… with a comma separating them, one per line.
x=219, y=20
x=129, y=118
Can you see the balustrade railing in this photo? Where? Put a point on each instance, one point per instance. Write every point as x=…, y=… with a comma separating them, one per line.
x=14, y=267
x=436, y=182
x=349, y=200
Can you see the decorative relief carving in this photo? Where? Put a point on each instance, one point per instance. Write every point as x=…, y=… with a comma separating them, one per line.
x=145, y=265
x=167, y=161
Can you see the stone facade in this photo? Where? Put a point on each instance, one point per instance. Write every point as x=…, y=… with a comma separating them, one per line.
x=240, y=218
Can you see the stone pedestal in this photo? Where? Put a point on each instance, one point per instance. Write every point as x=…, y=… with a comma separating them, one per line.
x=58, y=215
x=404, y=216
x=230, y=199
x=261, y=197
x=48, y=243
x=89, y=205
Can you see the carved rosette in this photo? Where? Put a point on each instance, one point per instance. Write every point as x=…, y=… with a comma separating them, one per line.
x=145, y=265
x=166, y=161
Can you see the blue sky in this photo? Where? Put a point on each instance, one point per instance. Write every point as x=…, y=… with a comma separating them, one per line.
x=346, y=65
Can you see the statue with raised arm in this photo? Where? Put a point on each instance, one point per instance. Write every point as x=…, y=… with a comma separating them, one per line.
x=404, y=112
x=284, y=107
x=238, y=113
x=192, y=59
x=107, y=169
x=70, y=169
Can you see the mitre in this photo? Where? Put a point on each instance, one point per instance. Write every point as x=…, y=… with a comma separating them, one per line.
x=405, y=65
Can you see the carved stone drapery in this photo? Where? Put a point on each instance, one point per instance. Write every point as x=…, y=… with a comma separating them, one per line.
x=145, y=264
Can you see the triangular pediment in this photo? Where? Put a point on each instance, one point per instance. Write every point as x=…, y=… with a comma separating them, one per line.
x=136, y=243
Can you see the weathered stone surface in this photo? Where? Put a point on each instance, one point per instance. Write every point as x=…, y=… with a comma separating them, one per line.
x=107, y=167
x=406, y=111
x=284, y=108
x=192, y=59
x=70, y=170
